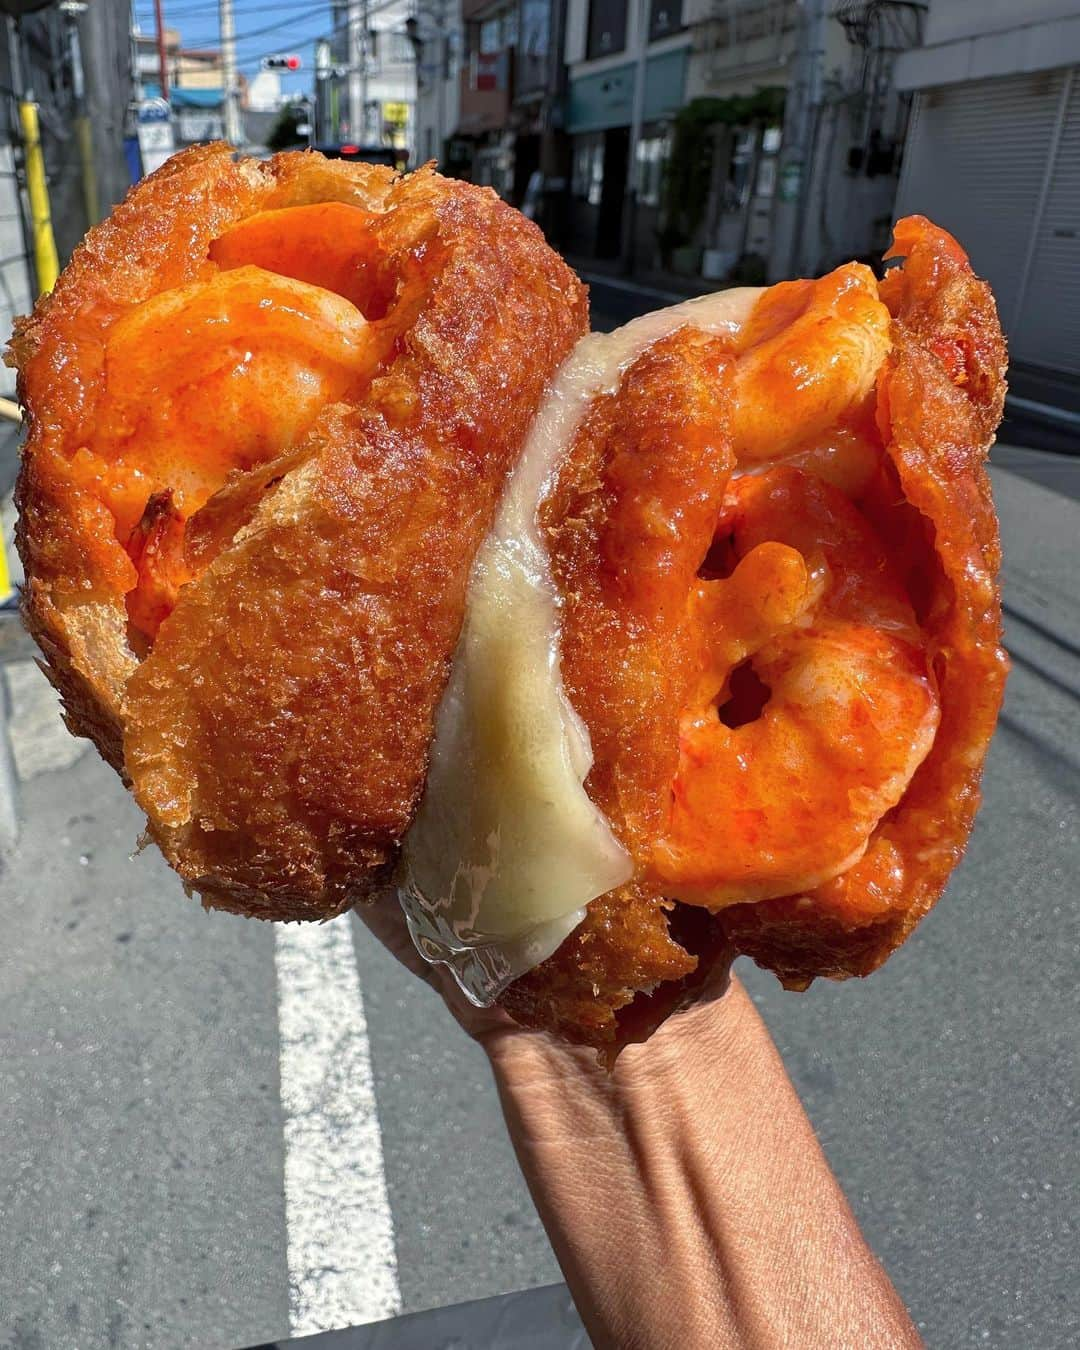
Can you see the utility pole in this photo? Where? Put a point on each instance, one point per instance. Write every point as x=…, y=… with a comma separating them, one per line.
x=163, y=63
x=356, y=22
x=801, y=110
x=84, y=138
x=637, y=113
x=233, y=132
x=443, y=57
x=322, y=90
x=108, y=70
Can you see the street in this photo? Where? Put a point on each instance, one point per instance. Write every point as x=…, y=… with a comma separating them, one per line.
x=141, y=1115
x=219, y=1132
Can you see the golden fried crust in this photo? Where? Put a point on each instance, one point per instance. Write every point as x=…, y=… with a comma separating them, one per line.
x=276, y=734
x=623, y=573
x=939, y=399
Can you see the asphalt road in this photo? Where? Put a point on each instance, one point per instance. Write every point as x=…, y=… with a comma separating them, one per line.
x=141, y=1123
x=142, y=1058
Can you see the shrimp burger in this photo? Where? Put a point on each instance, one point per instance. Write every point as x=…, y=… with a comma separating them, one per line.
x=616, y=655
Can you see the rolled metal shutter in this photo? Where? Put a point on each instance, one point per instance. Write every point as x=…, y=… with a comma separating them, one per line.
x=1047, y=327
x=976, y=162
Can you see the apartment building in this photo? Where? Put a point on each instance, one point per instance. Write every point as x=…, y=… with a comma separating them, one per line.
x=366, y=76
x=714, y=138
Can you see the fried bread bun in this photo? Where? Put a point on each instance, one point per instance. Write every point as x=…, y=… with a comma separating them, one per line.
x=695, y=654
x=777, y=557
x=271, y=407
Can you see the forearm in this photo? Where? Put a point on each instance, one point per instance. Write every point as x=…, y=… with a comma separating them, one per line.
x=686, y=1196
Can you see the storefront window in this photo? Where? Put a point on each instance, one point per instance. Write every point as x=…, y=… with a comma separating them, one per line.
x=652, y=153
x=607, y=28
x=587, y=181
x=665, y=18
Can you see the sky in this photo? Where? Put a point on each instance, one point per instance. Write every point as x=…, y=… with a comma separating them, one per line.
x=263, y=28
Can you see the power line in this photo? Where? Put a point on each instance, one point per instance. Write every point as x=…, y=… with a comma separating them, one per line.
x=211, y=7
x=258, y=32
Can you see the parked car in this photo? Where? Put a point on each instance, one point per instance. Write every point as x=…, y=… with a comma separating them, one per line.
x=369, y=154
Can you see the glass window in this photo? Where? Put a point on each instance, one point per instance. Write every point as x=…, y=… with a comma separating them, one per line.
x=510, y=27
x=665, y=18
x=490, y=36
x=651, y=155
x=607, y=28
x=587, y=177
x=535, y=26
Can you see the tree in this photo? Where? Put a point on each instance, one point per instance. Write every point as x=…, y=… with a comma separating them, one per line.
x=285, y=133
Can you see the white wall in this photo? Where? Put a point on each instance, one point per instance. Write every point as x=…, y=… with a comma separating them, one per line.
x=577, y=28
x=952, y=19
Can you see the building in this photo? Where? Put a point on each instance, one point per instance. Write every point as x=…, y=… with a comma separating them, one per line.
x=365, y=77
x=994, y=156
x=717, y=139
x=611, y=47
x=436, y=30
x=485, y=72
x=196, y=85
x=483, y=145
x=784, y=158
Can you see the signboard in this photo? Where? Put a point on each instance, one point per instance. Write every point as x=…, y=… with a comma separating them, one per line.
x=397, y=114
x=486, y=71
x=200, y=124
x=157, y=142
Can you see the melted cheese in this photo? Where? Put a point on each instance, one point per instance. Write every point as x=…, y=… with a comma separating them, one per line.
x=507, y=849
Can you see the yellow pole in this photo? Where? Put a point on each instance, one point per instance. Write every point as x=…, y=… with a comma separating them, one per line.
x=45, y=259
x=6, y=589
x=85, y=141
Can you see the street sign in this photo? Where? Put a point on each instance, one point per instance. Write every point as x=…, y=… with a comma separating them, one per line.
x=157, y=143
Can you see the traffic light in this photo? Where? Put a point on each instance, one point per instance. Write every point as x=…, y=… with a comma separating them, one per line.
x=290, y=62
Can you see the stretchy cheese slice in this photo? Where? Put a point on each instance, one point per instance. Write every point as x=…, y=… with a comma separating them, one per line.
x=507, y=849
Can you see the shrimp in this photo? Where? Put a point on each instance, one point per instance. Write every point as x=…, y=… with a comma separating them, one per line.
x=215, y=376
x=813, y=622
x=797, y=696
x=810, y=351
x=815, y=704
x=225, y=374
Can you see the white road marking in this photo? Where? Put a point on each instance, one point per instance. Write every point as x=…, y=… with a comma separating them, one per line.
x=342, y=1261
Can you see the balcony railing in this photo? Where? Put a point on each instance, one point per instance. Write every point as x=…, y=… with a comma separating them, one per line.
x=731, y=23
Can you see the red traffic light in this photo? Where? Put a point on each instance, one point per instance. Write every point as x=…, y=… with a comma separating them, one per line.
x=293, y=62
x=290, y=62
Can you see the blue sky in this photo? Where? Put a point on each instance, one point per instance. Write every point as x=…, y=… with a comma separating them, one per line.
x=293, y=27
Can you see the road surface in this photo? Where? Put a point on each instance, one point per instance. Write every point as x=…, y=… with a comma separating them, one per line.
x=215, y=1132
x=156, y=1068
